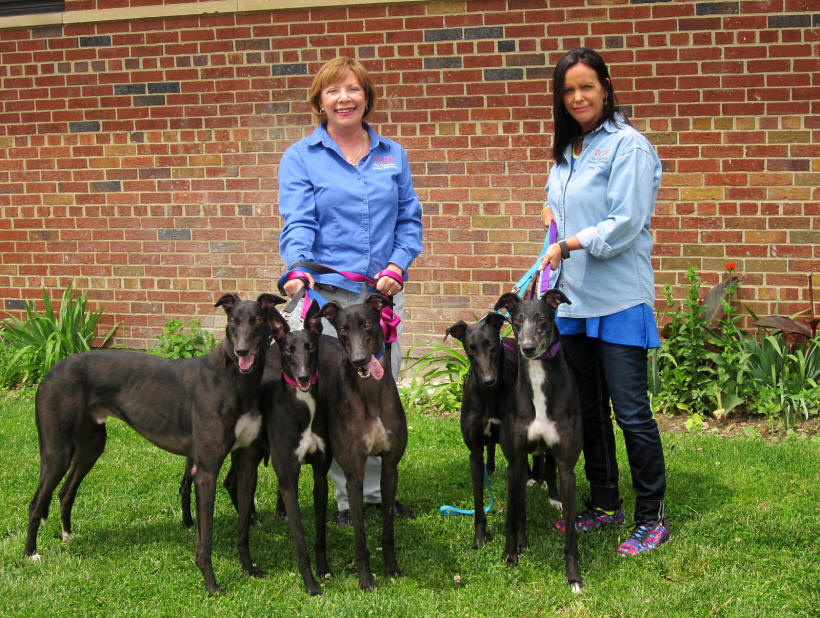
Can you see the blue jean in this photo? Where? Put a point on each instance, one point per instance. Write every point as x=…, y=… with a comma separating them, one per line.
x=608, y=372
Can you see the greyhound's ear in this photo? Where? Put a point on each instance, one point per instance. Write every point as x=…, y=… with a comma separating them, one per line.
x=331, y=311
x=509, y=301
x=267, y=301
x=379, y=301
x=228, y=302
x=555, y=297
x=278, y=324
x=313, y=319
x=496, y=320
x=457, y=330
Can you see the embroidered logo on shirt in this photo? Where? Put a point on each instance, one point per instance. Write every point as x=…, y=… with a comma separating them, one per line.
x=597, y=153
x=383, y=163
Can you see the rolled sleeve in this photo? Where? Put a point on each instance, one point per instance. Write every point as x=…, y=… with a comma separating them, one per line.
x=630, y=200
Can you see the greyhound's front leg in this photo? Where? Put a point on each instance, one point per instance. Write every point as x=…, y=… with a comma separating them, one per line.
x=389, y=482
x=205, y=483
x=477, y=477
x=245, y=463
x=355, y=496
x=571, y=536
x=320, y=511
x=516, y=500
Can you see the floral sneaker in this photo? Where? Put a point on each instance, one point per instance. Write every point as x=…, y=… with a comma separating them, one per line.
x=645, y=537
x=592, y=519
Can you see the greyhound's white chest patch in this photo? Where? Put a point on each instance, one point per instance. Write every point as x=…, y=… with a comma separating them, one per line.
x=542, y=427
x=309, y=442
x=375, y=439
x=247, y=430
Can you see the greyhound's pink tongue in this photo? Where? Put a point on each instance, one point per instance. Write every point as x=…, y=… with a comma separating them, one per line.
x=375, y=368
x=245, y=362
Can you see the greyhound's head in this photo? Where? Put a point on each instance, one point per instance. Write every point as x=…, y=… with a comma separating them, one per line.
x=483, y=346
x=247, y=333
x=299, y=348
x=533, y=321
x=360, y=333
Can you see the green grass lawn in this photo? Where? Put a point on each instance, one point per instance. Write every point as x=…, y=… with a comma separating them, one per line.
x=744, y=516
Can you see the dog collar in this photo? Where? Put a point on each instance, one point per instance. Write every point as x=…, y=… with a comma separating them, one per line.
x=293, y=382
x=549, y=353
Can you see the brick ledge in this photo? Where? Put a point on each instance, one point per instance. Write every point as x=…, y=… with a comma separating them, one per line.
x=176, y=10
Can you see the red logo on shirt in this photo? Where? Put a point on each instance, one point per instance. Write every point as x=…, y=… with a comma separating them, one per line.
x=383, y=163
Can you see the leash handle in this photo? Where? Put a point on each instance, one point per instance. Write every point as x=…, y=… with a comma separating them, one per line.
x=552, y=237
x=389, y=319
x=451, y=510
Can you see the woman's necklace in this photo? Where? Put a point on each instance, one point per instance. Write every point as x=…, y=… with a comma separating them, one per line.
x=354, y=160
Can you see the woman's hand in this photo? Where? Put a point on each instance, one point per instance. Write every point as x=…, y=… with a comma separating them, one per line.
x=546, y=217
x=294, y=285
x=552, y=257
x=387, y=285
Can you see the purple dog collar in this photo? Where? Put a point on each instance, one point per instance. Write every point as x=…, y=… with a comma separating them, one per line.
x=550, y=353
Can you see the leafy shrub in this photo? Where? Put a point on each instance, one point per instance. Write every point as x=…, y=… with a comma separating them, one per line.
x=175, y=343
x=437, y=377
x=685, y=379
x=32, y=346
x=712, y=366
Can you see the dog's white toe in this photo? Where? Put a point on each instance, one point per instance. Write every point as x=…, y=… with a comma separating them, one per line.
x=67, y=536
x=34, y=557
x=576, y=588
x=557, y=504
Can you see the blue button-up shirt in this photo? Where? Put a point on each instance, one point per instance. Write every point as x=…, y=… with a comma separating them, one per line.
x=607, y=202
x=356, y=219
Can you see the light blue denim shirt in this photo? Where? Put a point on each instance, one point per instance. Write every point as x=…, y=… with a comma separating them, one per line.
x=357, y=219
x=607, y=201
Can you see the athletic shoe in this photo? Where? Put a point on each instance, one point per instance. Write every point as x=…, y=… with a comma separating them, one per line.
x=645, y=537
x=592, y=519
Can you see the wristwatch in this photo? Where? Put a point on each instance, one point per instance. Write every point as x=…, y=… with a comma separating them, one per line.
x=564, y=249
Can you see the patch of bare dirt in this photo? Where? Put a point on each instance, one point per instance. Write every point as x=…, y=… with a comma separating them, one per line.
x=739, y=425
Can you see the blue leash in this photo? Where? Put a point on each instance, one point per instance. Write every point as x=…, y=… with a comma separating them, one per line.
x=451, y=510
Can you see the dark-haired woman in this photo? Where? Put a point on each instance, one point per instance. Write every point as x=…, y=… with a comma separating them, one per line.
x=601, y=193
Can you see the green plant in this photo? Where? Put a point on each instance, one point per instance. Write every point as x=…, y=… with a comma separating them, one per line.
x=38, y=342
x=684, y=375
x=437, y=377
x=174, y=342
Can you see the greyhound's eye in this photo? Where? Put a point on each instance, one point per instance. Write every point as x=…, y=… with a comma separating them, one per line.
x=234, y=322
x=258, y=320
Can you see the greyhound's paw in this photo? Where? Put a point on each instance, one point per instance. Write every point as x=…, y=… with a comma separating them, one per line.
x=217, y=591
x=256, y=572
x=511, y=558
x=367, y=583
x=35, y=557
x=576, y=587
x=557, y=505
x=66, y=536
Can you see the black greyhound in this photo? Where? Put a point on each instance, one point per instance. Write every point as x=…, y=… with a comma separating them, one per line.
x=487, y=393
x=546, y=417
x=200, y=408
x=297, y=429
x=365, y=417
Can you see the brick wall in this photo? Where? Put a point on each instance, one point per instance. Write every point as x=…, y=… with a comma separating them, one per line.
x=139, y=144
